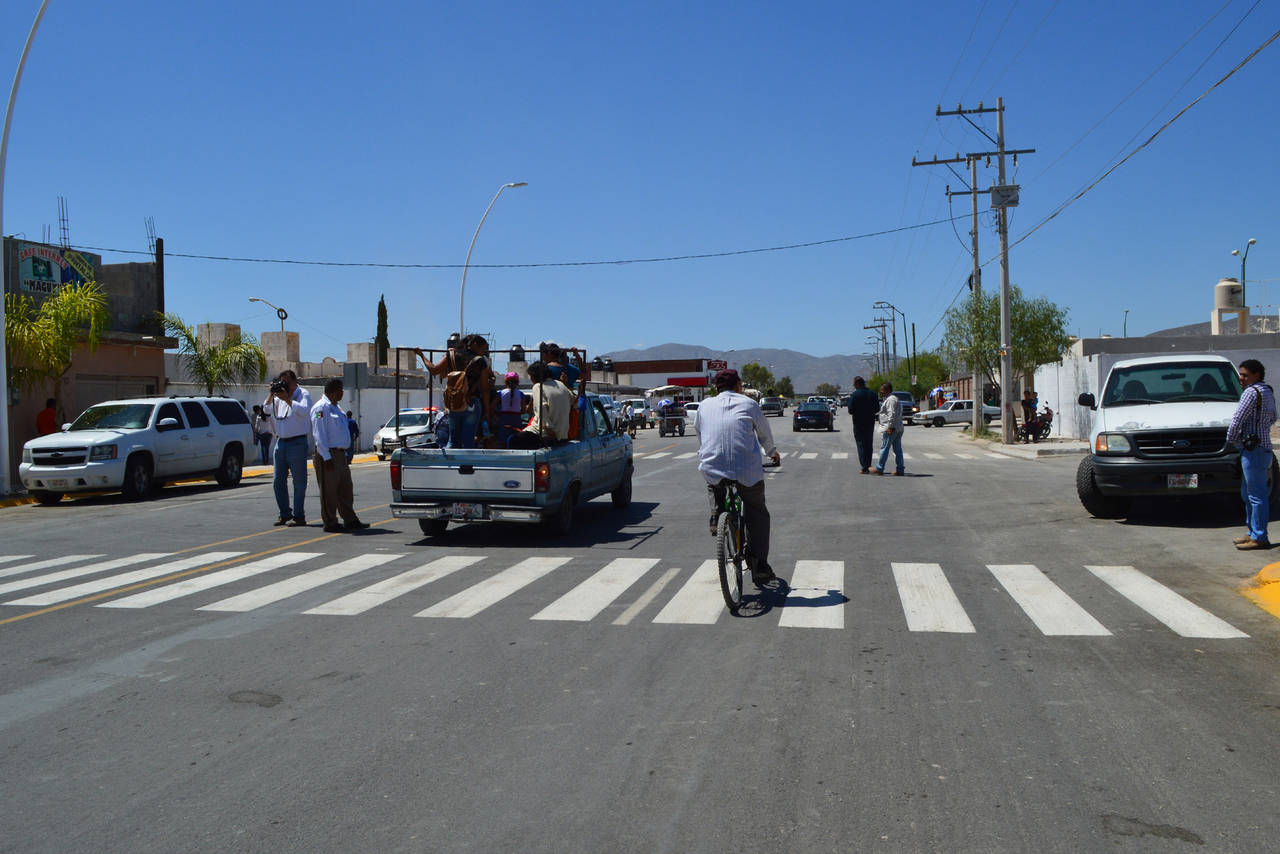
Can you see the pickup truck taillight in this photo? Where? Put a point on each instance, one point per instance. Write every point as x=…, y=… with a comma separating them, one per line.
x=395, y=474
x=541, y=477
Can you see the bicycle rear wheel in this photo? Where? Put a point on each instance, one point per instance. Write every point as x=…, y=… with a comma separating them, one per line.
x=729, y=560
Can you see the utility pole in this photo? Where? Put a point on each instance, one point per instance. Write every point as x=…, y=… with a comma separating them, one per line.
x=882, y=351
x=1003, y=197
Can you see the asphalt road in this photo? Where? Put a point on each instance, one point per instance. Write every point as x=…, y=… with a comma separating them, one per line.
x=946, y=672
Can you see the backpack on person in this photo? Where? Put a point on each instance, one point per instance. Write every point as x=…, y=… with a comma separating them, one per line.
x=457, y=388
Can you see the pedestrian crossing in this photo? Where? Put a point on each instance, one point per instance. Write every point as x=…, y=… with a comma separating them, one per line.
x=832, y=455
x=623, y=591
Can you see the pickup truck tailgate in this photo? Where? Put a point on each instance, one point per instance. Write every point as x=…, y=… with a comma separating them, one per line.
x=475, y=480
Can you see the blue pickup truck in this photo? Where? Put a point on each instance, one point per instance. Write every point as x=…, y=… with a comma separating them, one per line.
x=437, y=486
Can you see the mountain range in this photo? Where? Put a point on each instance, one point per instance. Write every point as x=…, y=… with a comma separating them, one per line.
x=806, y=371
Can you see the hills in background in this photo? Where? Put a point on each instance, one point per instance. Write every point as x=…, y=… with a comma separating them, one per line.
x=806, y=371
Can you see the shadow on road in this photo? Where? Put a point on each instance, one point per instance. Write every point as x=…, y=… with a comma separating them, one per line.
x=1221, y=511
x=596, y=524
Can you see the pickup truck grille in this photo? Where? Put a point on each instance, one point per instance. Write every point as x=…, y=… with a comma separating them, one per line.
x=1176, y=443
x=59, y=456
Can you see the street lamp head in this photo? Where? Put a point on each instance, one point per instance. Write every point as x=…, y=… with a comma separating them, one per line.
x=1252, y=241
x=518, y=184
x=1235, y=251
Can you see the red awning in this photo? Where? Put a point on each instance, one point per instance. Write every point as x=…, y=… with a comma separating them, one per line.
x=688, y=382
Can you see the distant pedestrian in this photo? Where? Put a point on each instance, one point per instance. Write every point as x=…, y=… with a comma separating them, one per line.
x=354, y=429
x=263, y=433
x=863, y=406
x=890, y=419
x=47, y=418
x=1251, y=430
x=290, y=408
x=512, y=405
x=333, y=476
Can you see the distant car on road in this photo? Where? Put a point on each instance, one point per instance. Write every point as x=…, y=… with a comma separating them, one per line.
x=417, y=430
x=690, y=408
x=771, y=406
x=812, y=415
x=956, y=412
x=909, y=408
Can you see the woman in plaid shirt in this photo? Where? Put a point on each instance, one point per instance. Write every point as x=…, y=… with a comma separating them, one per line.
x=1251, y=429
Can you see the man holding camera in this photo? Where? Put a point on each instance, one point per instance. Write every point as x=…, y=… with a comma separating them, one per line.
x=290, y=407
x=1251, y=430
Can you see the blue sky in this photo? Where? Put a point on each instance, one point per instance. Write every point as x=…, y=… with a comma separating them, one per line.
x=377, y=133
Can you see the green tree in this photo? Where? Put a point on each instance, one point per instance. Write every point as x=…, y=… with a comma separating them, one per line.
x=827, y=390
x=930, y=371
x=1038, y=332
x=40, y=340
x=238, y=359
x=757, y=376
x=381, y=342
x=784, y=387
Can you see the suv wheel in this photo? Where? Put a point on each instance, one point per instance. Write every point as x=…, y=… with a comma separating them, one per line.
x=137, y=478
x=46, y=498
x=230, y=469
x=1098, y=505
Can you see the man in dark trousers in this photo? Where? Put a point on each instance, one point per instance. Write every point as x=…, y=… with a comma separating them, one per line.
x=863, y=406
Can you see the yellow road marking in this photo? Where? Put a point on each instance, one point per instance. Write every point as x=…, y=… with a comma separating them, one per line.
x=1264, y=589
x=198, y=570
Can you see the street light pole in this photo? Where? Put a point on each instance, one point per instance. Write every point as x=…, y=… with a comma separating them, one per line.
x=1243, y=300
x=5, y=436
x=462, y=292
x=1125, y=333
x=280, y=312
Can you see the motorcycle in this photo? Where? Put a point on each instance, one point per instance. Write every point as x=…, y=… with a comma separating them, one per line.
x=1036, y=430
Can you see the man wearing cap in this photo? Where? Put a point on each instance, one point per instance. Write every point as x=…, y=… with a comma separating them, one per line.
x=731, y=431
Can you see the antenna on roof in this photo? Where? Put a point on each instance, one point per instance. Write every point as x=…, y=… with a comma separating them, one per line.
x=64, y=223
x=150, y=224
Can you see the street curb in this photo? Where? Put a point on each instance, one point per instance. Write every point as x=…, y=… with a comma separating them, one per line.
x=1264, y=589
x=1025, y=452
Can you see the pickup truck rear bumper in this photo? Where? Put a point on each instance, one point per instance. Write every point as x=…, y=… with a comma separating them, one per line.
x=444, y=510
x=1133, y=476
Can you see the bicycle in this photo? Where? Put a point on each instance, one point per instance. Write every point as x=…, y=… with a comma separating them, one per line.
x=733, y=546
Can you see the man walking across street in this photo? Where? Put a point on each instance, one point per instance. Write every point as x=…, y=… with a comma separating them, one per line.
x=1251, y=430
x=731, y=432
x=863, y=406
x=290, y=409
x=332, y=433
x=890, y=418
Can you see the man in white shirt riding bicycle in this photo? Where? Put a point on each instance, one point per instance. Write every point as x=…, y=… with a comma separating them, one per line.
x=731, y=431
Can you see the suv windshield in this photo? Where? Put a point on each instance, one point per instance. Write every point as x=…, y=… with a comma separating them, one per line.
x=1172, y=383
x=114, y=416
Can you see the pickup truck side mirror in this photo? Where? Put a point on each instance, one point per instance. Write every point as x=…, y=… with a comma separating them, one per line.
x=1088, y=400
x=167, y=424
x=66, y=427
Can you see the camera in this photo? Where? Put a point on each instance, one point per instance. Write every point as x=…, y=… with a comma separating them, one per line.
x=279, y=387
x=1250, y=442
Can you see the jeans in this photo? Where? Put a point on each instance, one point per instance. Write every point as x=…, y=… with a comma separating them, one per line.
x=291, y=460
x=462, y=426
x=1253, y=489
x=264, y=448
x=754, y=513
x=864, y=436
x=891, y=441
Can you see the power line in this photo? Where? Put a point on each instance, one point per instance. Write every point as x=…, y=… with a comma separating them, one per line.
x=619, y=261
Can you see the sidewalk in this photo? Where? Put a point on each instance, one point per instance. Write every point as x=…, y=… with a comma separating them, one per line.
x=249, y=471
x=1052, y=447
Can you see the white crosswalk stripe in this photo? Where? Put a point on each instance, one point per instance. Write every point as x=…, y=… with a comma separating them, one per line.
x=815, y=599
x=906, y=456
x=384, y=591
x=593, y=595
x=840, y=455
x=111, y=582
x=688, y=455
x=928, y=601
x=76, y=572
x=11, y=558
x=290, y=587
x=1185, y=618
x=1052, y=610
x=476, y=598
x=698, y=602
x=809, y=456
x=965, y=456
x=44, y=564
x=658, y=455
x=931, y=455
x=196, y=584
x=995, y=456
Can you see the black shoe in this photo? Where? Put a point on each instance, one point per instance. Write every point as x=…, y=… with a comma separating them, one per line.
x=298, y=522
x=334, y=529
x=283, y=520
x=762, y=575
x=355, y=525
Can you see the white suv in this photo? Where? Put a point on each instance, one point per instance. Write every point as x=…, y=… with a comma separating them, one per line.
x=136, y=445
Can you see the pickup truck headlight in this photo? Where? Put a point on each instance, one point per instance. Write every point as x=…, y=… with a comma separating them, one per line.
x=26, y=456
x=102, y=452
x=1112, y=443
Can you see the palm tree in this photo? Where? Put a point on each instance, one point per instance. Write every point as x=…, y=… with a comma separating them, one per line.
x=41, y=339
x=238, y=359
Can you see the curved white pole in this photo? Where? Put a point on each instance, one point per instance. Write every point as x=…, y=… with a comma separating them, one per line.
x=462, y=292
x=5, y=437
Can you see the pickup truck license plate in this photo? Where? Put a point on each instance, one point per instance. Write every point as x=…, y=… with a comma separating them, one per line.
x=1183, y=481
x=467, y=510
x=58, y=483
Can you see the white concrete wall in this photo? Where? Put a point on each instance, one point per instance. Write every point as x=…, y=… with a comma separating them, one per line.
x=372, y=407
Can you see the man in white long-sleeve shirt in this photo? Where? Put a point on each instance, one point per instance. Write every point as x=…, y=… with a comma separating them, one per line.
x=333, y=475
x=290, y=409
x=731, y=431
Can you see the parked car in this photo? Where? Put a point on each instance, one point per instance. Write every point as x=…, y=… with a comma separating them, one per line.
x=690, y=408
x=956, y=412
x=417, y=429
x=643, y=411
x=771, y=406
x=812, y=414
x=1161, y=429
x=136, y=445
x=909, y=408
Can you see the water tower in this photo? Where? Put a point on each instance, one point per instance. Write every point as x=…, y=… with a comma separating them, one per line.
x=1228, y=299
